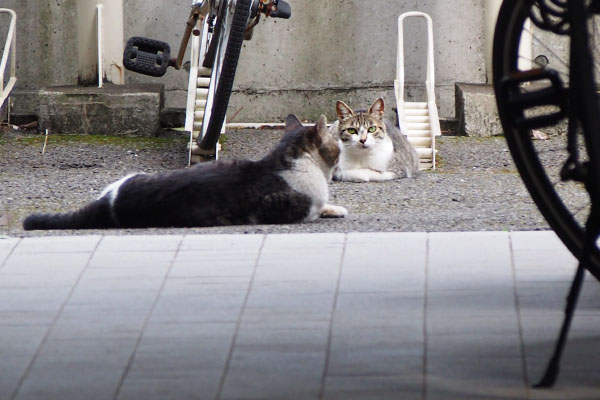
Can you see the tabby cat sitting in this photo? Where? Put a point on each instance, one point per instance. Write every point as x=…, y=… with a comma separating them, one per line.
x=373, y=149
x=288, y=185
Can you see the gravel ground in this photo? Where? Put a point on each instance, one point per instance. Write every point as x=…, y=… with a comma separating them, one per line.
x=475, y=187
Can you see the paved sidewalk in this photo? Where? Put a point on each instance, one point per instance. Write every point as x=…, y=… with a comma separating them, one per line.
x=299, y=316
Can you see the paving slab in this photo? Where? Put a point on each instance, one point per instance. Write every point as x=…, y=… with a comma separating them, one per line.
x=426, y=316
x=72, y=244
x=406, y=387
x=77, y=368
x=147, y=243
x=178, y=361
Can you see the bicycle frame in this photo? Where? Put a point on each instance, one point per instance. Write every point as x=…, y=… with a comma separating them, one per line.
x=197, y=16
x=217, y=28
x=201, y=9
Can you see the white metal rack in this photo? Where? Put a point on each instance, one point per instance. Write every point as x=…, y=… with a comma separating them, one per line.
x=198, y=87
x=10, y=47
x=202, y=81
x=419, y=121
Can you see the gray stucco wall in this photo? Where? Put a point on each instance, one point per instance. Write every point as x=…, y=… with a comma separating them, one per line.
x=329, y=50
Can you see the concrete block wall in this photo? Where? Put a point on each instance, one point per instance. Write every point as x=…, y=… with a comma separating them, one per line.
x=328, y=50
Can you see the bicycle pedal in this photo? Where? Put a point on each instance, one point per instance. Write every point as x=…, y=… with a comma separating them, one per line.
x=546, y=93
x=283, y=10
x=147, y=56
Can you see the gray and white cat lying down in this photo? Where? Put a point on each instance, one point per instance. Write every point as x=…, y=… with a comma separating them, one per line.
x=286, y=186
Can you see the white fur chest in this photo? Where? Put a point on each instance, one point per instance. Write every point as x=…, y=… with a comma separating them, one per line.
x=307, y=178
x=376, y=157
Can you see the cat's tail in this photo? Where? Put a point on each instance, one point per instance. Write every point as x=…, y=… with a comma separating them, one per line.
x=96, y=215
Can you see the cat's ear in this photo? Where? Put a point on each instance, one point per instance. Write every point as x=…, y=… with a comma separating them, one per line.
x=343, y=111
x=322, y=126
x=292, y=122
x=319, y=132
x=377, y=108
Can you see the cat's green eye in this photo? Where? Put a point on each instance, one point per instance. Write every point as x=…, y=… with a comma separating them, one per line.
x=372, y=129
x=351, y=131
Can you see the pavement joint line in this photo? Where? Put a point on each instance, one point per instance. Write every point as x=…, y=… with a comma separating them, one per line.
x=238, y=322
x=145, y=324
x=53, y=323
x=425, y=327
x=525, y=374
x=12, y=250
x=332, y=319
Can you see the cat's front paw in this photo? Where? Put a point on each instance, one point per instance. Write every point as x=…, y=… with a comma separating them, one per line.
x=331, y=211
x=353, y=175
x=388, y=176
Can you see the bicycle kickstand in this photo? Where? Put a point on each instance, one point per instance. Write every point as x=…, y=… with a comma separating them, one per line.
x=553, y=368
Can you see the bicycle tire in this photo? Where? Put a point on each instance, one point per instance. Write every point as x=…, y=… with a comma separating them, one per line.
x=209, y=57
x=226, y=67
x=536, y=177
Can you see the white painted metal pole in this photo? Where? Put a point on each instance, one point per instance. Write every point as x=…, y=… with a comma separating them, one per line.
x=100, y=30
x=430, y=83
x=399, y=81
x=400, y=60
x=112, y=41
x=491, y=15
x=113, y=38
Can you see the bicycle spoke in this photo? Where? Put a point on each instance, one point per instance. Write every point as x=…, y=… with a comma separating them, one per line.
x=569, y=191
x=548, y=48
x=539, y=41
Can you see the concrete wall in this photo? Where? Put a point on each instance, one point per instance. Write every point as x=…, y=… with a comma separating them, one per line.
x=329, y=50
x=342, y=49
x=46, y=47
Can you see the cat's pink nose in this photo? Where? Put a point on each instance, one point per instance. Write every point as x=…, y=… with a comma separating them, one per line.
x=363, y=140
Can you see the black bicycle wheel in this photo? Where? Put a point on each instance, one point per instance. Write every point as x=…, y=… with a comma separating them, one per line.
x=226, y=45
x=536, y=89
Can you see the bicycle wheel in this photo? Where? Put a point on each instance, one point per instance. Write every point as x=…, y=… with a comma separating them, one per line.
x=222, y=56
x=541, y=84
